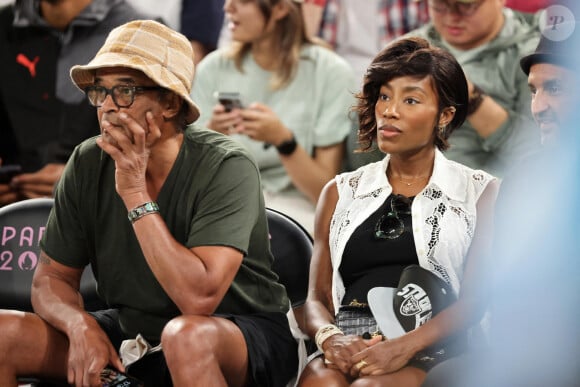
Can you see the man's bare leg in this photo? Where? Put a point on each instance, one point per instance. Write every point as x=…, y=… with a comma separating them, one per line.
x=205, y=351
x=30, y=347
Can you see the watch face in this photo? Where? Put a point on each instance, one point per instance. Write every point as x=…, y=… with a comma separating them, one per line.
x=475, y=99
x=287, y=147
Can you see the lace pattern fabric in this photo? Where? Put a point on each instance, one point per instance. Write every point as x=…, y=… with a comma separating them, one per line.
x=444, y=215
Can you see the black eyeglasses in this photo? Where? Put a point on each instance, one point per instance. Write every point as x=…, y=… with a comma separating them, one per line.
x=123, y=96
x=463, y=9
x=390, y=225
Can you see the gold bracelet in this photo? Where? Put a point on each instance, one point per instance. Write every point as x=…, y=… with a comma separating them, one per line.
x=142, y=210
x=324, y=332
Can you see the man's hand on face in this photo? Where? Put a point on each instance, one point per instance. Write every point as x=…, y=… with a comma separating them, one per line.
x=129, y=144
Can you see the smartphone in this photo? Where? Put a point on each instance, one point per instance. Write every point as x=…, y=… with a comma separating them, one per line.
x=7, y=172
x=110, y=377
x=230, y=100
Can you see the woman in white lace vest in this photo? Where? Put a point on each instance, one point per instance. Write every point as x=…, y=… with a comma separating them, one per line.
x=413, y=207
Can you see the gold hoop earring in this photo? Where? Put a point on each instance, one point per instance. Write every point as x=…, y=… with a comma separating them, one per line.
x=442, y=129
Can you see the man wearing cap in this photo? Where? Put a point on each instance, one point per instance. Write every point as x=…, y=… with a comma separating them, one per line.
x=539, y=199
x=552, y=71
x=534, y=291
x=553, y=81
x=190, y=268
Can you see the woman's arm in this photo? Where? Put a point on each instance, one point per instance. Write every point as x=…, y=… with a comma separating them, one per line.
x=323, y=166
x=308, y=173
x=319, y=311
x=318, y=307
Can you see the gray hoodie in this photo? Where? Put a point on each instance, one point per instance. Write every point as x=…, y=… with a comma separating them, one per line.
x=495, y=68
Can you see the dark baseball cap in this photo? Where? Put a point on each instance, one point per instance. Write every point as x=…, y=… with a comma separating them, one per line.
x=420, y=295
x=559, y=45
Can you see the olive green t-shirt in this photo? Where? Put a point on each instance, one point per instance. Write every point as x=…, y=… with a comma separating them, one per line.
x=212, y=196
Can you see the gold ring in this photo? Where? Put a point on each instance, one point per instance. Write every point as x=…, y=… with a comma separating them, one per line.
x=361, y=364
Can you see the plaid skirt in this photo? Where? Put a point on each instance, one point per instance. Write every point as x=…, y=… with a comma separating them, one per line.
x=356, y=320
x=359, y=320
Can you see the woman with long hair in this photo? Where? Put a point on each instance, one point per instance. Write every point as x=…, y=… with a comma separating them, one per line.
x=294, y=99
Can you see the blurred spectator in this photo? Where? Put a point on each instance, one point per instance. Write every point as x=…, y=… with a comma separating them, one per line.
x=312, y=10
x=539, y=277
x=201, y=23
x=295, y=97
x=487, y=39
x=530, y=6
x=199, y=20
x=535, y=336
x=42, y=115
x=169, y=13
x=358, y=33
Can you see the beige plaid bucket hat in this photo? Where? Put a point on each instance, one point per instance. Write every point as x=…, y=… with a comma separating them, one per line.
x=161, y=53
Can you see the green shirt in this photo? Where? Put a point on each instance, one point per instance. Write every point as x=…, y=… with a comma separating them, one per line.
x=212, y=196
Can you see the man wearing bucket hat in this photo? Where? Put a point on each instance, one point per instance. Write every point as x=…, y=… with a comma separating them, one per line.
x=191, y=267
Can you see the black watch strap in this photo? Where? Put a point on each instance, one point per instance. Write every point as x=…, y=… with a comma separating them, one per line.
x=287, y=147
x=475, y=99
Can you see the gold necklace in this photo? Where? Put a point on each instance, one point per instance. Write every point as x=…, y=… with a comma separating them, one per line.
x=415, y=179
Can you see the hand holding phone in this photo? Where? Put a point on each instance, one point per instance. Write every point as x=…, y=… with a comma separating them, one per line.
x=230, y=100
x=110, y=377
x=7, y=172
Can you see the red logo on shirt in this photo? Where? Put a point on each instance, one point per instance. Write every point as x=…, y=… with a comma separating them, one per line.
x=30, y=65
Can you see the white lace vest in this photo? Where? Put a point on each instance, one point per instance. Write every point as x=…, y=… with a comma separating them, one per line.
x=443, y=213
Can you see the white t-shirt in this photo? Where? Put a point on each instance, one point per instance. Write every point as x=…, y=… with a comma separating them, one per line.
x=357, y=34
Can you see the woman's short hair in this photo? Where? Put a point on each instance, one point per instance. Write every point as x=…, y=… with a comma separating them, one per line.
x=413, y=57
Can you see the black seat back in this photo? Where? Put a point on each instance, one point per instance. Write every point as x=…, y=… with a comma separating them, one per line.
x=291, y=246
x=22, y=225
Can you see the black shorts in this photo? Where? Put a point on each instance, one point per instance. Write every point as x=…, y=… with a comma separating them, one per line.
x=272, y=351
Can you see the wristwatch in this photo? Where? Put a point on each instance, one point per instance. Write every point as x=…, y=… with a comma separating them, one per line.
x=287, y=147
x=475, y=99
